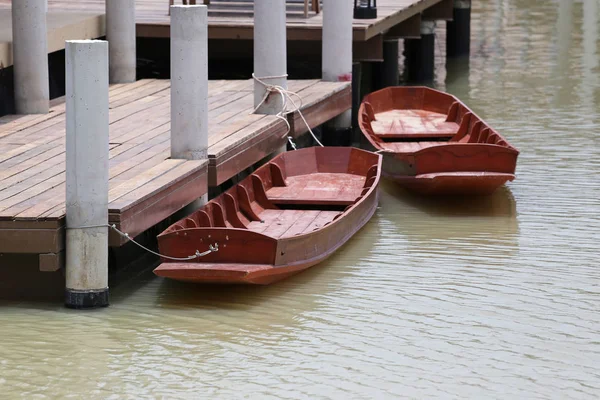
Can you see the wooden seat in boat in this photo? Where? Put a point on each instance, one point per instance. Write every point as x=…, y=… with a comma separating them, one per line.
x=319, y=189
x=412, y=124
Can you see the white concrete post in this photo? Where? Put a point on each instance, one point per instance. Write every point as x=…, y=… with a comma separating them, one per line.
x=30, y=57
x=87, y=173
x=189, y=84
x=120, y=33
x=337, y=49
x=270, y=53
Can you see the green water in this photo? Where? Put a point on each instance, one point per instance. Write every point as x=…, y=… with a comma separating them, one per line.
x=432, y=299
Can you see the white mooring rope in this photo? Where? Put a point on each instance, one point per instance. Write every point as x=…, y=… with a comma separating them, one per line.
x=211, y=248
x=286, y=95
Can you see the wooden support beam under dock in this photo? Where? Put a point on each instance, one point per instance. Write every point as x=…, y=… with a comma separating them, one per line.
x=145, y=185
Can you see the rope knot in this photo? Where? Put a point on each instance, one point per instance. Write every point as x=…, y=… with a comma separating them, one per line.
x=286, y=95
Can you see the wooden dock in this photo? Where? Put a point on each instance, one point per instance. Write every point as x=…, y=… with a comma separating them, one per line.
x=234, y=22
x=145, y=185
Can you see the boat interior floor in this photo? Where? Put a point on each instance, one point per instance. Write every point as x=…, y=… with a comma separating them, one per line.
x=287, y=223
x=307, y=203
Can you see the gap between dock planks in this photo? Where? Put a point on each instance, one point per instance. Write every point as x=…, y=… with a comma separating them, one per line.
x=32, y=165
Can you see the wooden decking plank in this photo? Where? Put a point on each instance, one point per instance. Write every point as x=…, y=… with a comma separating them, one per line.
x=118, y=176
x=31, y=196
x=117, y=114
x=153, y=88
x=20, y=173
x=23, y=195
x=226, y=140
x=118, y=91
x=14, y=194
x=139, y=163
x=38, y=151
x=234, y=126
x=139, y=136
x=177, y=173
x=140, y=129
x=46, y=204
x=123, y=188
x=154, y=155
x=27, y=121
x=42, y=133
x=33, y=208
x=15, y=152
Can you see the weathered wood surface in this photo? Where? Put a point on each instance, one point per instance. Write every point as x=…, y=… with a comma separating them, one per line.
x=145, y=186
x=289, y=215
x=62, y=25
x=226, y=22
x=433, y=143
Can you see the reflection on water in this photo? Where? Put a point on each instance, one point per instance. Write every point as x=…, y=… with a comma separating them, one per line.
x=482, y=298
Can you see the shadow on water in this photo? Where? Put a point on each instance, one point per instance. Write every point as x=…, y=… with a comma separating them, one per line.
x=501, y=203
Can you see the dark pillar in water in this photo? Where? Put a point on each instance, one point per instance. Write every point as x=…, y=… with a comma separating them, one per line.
x=386, y=73
x=458, y=31
x=420, y=56
x=336, y=136
x=356, y=91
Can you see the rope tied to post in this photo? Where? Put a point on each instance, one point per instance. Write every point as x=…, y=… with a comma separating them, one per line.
x=286, y=96
x=211, y=248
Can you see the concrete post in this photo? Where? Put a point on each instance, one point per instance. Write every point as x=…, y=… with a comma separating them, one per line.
x=270, y=53
x=189, y=84
x=30, y=57
x=87, y=173
x=458, y=31
x=120, y=33
x=337, y=62
x=420, y=54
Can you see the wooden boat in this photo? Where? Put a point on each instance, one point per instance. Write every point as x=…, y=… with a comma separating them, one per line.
x=289, y=215
x=432, y=143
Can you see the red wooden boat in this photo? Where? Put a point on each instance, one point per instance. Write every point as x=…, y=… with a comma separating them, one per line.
x=289, y=215
x=432, y=143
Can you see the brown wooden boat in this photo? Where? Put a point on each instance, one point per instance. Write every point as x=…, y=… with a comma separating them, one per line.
x=289, y=215
x=432, y=143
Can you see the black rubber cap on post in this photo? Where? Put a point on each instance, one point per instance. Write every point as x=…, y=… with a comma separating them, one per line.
x=365, y=12
x=86, y=299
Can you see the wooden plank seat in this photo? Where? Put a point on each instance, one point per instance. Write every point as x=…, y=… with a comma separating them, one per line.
x=412, y=124
x=319, y=188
